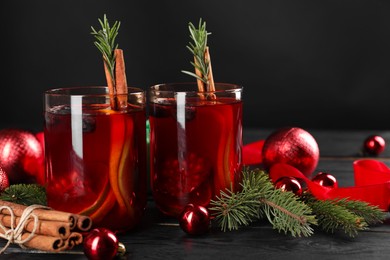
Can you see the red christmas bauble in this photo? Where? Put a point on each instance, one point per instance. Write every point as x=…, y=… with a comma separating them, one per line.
x=374, y=145
x=293, y=146
x=4, y=182
x=289, y=184
x=21, y=156
x=194, y=220
x=100, y=244
x=326, y=180
x=41, y=138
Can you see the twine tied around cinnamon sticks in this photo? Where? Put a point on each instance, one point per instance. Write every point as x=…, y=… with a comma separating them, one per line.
x=14, y=234
x=41, y=228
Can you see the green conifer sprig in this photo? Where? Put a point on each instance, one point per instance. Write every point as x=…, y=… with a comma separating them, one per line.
x=287, y=212
x=25, y=194
x=333, y=217
x=257, y=199
x=351, y=216
x=371, y=214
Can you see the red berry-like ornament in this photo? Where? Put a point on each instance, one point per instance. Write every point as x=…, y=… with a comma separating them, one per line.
x=293, y=146
x=101, y=244
x=374, y=145
x=194, y=220
x=21, y=156
x=4, y=182
x=326, y=180
x=289, y=184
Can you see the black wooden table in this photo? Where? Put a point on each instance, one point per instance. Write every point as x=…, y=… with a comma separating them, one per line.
x=160, y=237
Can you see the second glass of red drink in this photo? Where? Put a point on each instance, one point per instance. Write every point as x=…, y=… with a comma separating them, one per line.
x=195, y=143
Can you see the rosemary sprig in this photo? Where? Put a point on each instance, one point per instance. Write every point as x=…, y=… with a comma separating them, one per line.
x=259, y=199
x=105, y=42
x=198, y=49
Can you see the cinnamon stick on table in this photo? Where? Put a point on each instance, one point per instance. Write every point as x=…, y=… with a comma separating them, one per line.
x=82, y=223
x=59, y=229
x=53, y=231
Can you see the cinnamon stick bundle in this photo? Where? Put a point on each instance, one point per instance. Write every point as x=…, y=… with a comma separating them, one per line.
x=82, y=223
x=54, y=231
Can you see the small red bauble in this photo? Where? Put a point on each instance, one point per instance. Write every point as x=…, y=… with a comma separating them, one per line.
x=374, y=145
x=289, y=184
x=194, y=220
x=100, y=244
x=21, y=156
x=4, y=182
x=293, y=146
x=326, y=180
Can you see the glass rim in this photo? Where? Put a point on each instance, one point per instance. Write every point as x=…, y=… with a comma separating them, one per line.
x=67, y=91
x=234, y=88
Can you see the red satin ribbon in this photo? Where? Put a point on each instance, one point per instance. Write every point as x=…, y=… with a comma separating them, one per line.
x=372, y=179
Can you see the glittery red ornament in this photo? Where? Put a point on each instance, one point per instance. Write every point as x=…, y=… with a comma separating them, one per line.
x=289, y=184
x=4, y=182
x=326, y=180
x=100, y=244
x=194, y=219
x=21, y=156
x=293, y=146
x=374, y=145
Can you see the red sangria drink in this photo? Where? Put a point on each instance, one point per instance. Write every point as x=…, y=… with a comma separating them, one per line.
x=195, y=144
x=96, y=156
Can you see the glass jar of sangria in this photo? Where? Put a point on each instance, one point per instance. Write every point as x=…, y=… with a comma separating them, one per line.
x=195, y=143
x=96, y=154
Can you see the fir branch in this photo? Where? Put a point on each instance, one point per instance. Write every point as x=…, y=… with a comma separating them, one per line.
x=333, y=216
x=287, y=213
x=259, y=198
x=105, y=42
x=198, y=48
x=25, y=194
x=371, y=214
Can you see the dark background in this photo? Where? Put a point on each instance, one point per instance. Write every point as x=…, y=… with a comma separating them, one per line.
x=313, y=64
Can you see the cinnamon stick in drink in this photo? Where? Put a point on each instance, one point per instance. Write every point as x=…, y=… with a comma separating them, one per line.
x=211, y=85
x=117, y=87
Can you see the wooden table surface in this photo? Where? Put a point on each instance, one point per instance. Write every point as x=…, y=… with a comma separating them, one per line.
x=160, y=237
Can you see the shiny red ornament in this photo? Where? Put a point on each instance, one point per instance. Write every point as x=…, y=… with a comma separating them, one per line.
x=21, y=156
x=293, y=146
x=194, y=220
x=374, y=145
x=326, y=180
x=4, y=182
x=41, y=138
x=100, y=244
x=289, y=184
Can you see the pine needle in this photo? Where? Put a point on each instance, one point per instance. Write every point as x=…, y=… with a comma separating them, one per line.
x=25, y=194
x=371, y=214
x=342, y=214
x=258, y=198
